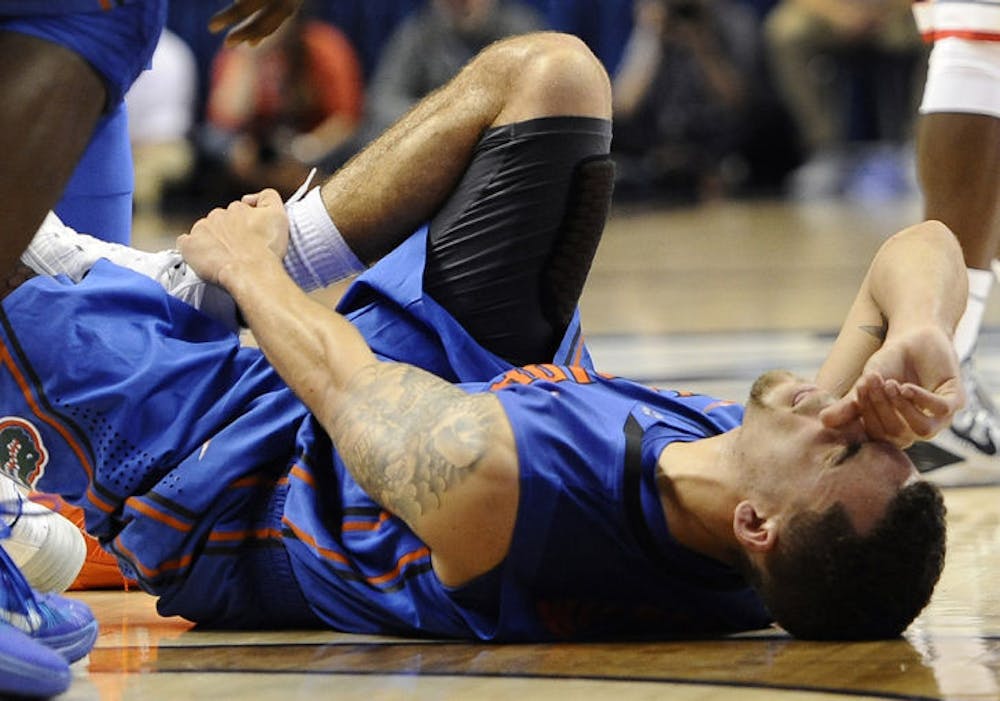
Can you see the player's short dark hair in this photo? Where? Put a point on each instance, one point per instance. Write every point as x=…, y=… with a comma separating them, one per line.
x=825, y=581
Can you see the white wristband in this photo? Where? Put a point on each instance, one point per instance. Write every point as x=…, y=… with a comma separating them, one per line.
x=317, y=254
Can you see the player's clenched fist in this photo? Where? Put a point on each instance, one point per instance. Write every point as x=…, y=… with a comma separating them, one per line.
x=249, y=232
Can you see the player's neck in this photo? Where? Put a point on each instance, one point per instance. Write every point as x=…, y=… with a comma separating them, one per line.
x=698, y=496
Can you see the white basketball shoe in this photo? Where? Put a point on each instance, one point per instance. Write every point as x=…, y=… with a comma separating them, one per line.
x=968, y=452
x=58, y=249
x=48, y=548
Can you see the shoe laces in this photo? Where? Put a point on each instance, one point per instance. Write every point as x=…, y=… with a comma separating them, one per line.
x=10, y=507
x=19, y=605
x=978, y=403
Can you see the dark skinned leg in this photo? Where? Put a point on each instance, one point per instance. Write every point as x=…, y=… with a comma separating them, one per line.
x=959, y=161
x=53, y=99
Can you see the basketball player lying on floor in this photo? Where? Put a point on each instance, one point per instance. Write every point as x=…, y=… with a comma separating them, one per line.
x=440, y=458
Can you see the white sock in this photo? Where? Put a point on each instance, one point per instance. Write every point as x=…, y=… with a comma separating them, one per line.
x=317, y=254
x=967, y=331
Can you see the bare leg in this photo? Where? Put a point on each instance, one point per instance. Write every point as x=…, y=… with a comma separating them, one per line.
x=958, y=156
x=52, y=102
x=959, y=162
x=387, y=190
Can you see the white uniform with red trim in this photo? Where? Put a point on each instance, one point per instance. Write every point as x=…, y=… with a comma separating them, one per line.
x=964, y=70
x=978, y=20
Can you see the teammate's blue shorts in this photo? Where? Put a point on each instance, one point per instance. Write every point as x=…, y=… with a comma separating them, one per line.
x=118, y=43
x=97, y=200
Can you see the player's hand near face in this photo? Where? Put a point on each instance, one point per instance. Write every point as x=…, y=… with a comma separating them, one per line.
x=252, y=20
x=249, y=232
x=909, y=389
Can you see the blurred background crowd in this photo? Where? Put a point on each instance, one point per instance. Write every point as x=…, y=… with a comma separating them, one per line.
x=805, y=99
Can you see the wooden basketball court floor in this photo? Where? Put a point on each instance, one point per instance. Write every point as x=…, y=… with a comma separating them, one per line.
x=701, y=299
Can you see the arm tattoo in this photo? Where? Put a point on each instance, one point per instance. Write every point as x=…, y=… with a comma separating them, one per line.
x=878, y=332
x=408, y=437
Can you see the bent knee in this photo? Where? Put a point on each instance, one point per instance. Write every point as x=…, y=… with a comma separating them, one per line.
x=553, y=74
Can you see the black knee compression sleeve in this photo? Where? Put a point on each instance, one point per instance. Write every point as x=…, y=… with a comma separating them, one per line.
x=576, y=244
x=508, y=254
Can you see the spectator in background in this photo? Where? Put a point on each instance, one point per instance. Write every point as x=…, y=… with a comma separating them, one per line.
x=821, y=51
x=276, y=108
x=681, y=95
x=161, y=107
x=426, y=50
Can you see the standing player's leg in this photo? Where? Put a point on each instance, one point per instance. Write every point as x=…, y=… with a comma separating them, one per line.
x=52, y=102
x=962, y=188
x=958, y=158
x=64, y=79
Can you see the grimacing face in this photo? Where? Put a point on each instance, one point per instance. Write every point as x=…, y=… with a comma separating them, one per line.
x=797, y=461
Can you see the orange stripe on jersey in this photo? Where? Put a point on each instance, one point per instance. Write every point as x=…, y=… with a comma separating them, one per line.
x=106, y=4
x=716, y=405
x=15, y=372
x=511, y=377
x=97, y=501
x=578, y=352
x=546, y=372
x=257, y=481
x=417, y=554
x=254, y=534
x=579, y=374
x=157, y=515
x=148, y=573
x=366, y=525
x=406, y=559
x=301, y=474
x=251, y=481
x=311, y=542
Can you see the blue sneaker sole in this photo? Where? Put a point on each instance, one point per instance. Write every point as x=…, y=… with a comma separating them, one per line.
x=28, y=668
x=73, y=645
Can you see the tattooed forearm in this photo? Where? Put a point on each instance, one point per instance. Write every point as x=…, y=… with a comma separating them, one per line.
x=879, y=331
x=408, y=437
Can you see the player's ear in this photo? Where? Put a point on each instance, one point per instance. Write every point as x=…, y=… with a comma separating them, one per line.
x=754, y=531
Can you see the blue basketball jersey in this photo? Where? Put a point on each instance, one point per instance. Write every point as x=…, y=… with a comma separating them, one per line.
x=204, y=474
x=591, y=555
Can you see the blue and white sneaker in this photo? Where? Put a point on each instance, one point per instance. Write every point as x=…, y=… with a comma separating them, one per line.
x=64, y=625
x=28, y=668
x=46, y=547
x=968, y=452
